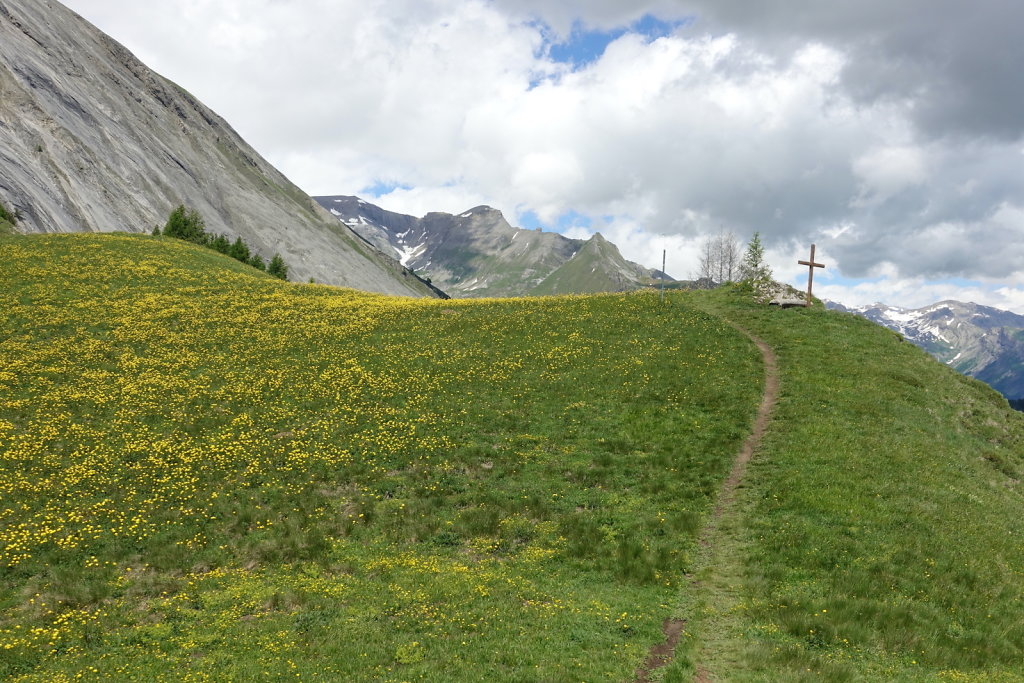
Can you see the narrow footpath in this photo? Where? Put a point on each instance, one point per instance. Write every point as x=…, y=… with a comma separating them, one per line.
x=662, y=653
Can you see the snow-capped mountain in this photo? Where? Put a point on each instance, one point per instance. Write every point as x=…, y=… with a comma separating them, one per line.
x=479, y=254
x=980, y=341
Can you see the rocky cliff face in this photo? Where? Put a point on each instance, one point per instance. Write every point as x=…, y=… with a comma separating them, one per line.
x=93, y=140
x=479, y=254
x=980, y=341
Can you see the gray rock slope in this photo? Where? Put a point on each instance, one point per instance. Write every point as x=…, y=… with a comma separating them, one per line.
x=596, y=267
x=980, y=341
x=479, y=254
x=93, y=140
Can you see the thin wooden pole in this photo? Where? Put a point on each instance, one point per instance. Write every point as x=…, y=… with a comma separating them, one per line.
x=663, y=274
x=810, y=277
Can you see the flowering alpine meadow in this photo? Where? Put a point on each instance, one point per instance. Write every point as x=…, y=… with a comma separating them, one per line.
x=210, y=474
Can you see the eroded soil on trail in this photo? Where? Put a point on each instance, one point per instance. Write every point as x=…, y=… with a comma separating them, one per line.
x=662, y=653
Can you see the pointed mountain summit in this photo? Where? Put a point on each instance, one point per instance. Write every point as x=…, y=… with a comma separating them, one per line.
x=479, y=254
x=596, y=267
x=91, y=140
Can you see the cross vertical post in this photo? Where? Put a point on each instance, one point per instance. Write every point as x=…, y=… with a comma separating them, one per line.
x=811, y=265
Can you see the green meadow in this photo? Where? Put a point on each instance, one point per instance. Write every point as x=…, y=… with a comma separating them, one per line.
x=210, y=474
x=880, y=531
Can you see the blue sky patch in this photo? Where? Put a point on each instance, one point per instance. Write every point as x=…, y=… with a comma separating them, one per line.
x=381, y=188
x=569, y=219
x=584, y=46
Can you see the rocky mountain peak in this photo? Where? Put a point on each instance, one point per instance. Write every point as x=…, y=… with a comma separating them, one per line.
x=483, y=210
x=478, y=253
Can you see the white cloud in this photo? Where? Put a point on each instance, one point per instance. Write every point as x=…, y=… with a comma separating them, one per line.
x=918, y=293
x=734, y=124
x=638, y=245
x=419, y=201
x=542, y=175
x=886, y=171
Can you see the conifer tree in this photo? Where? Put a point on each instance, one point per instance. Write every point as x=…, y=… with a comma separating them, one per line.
x=278, y=268
x=186, y=224
x=6, y=215
x=754, y=270
x=8, y=220
x=257, y=262
x=220, y=243
x=239, y=251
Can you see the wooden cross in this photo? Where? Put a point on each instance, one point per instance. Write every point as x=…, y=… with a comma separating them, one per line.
x=811, y=265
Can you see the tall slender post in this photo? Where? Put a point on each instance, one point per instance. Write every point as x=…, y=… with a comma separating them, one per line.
x=810, y=277
x=663, y=275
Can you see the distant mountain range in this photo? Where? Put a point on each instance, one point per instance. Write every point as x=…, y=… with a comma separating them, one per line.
x=91, y=140
x=479, y=254
x=980, y=341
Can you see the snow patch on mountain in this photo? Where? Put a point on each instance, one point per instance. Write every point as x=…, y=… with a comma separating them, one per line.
x=478, y=253
x=407, y=254
x=980, y=341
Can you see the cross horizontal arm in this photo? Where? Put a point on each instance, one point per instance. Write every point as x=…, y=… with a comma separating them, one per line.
x=810, y=263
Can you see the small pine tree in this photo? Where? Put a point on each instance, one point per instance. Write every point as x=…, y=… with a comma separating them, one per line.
x=6, y=215
x=239, y=251
x=257, y=262
x=754, y=271
x=278, y=268
x=156, y=231
x=175, y=226
x=186, y=224
x=220, y=243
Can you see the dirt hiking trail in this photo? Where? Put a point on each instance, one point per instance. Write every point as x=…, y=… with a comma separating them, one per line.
x=662, y=653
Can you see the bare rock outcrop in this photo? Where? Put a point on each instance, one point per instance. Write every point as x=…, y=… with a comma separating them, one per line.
x=93, y=140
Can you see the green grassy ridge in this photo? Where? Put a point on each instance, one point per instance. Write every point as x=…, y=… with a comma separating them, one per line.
x=589, y=271
x=878, y=535
x=207, y=473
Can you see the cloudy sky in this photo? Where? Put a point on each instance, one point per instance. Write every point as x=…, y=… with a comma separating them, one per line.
x=891, y=134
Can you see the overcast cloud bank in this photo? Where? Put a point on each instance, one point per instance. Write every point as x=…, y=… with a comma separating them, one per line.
x=888, y=133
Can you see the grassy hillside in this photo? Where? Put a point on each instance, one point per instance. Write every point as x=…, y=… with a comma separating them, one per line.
x=209, y=474
x=880, y=533
x=596, y=267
